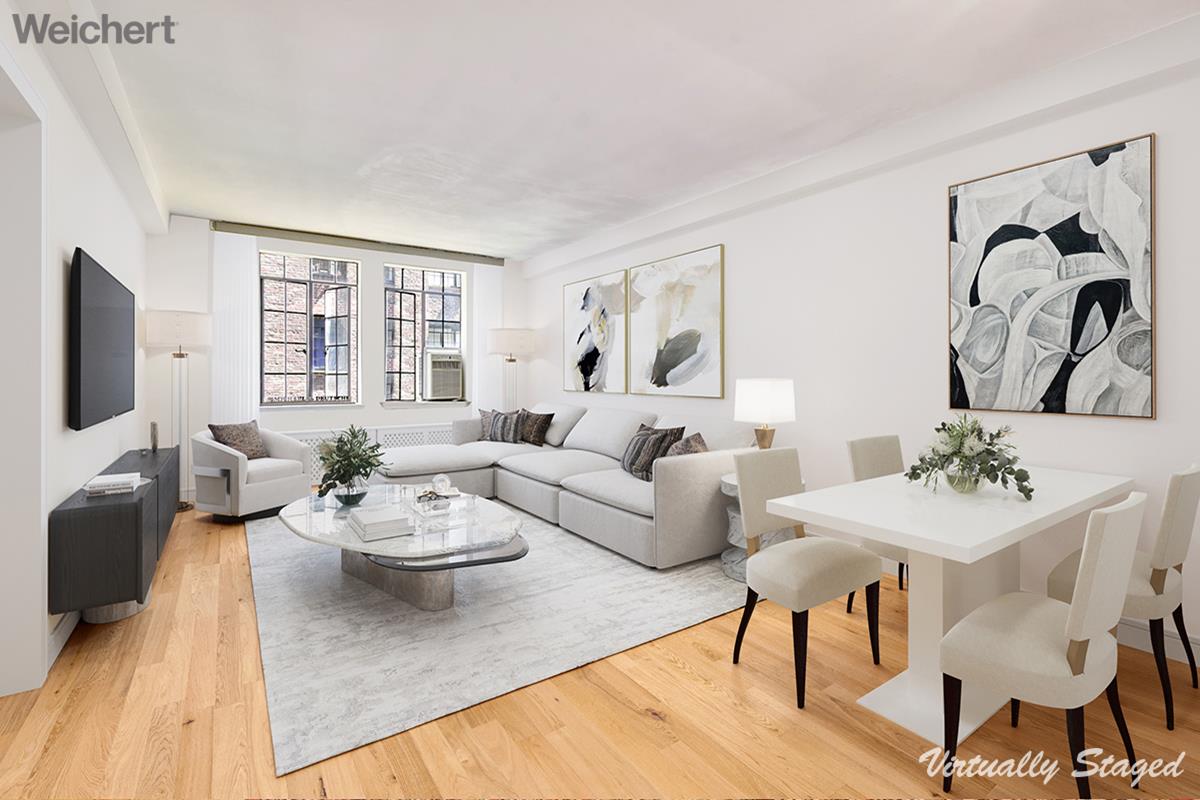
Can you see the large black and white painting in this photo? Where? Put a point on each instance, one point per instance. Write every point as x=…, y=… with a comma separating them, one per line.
x=594, y=334
x=675, y=325
x=1052, y=285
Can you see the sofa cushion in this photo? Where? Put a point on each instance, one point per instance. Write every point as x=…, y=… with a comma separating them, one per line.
x=614, y=487
x=564, y=420
x=428, y=459
x=535, y=428
x=495, y=451
x=719, y=433
x=552, y=466
x=686, y=447
x=606, y=430
x=503, y=426
x=646, y=446
x=260, y=470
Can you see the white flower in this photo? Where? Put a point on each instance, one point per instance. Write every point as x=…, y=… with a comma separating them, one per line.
x=972, y=445
x=943, y=445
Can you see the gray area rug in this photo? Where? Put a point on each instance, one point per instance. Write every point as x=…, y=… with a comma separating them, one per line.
x=346, y=664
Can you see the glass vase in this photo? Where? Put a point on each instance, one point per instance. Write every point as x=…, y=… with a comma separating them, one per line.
x=961, y=482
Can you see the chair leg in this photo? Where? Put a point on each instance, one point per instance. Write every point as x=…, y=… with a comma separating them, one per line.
x=900, y=574
x=1177, y=614
x=873, y=619
x=1164, y=676
x=800, y=652
x=751, y=602
x=951, y=703
x=1114, y=703
x=850, y=603
x=1015, y=712
x=1075, y=738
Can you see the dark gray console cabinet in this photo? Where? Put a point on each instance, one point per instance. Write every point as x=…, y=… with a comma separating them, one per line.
x=104, y=550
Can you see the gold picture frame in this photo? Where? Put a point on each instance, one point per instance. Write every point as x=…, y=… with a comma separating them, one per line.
x=632, y=335
x=624, y=348
x=951, y=239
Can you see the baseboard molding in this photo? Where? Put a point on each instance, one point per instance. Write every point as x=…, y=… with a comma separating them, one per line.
x=59, y=636
x=1136, y=633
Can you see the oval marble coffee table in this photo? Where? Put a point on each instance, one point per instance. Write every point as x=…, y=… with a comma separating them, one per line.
x=417, y=568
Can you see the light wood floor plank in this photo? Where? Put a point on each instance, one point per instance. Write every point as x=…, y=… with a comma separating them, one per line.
x=172, y=703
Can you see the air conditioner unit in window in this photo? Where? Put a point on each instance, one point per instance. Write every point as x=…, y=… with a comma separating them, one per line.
x=443, y=376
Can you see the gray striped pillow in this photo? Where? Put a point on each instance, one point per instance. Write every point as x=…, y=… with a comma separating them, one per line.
x=647, y=445
x=507, y=426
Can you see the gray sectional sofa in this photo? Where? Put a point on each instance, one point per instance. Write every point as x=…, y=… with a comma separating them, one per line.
x=576, y=479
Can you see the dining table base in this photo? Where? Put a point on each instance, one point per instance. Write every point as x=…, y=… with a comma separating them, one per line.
x=940, y=593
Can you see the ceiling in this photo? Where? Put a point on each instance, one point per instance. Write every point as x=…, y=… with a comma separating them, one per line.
x=510, y=127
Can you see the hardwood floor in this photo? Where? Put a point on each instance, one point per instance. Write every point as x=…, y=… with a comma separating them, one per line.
x=171, y=703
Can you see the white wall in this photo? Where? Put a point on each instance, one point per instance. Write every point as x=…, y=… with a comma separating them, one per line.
x=178, y=266
x=843, y=289
x=84, y=207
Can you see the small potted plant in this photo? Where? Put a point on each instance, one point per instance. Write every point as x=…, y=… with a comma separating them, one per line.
x=347, y=461
x=967, y=454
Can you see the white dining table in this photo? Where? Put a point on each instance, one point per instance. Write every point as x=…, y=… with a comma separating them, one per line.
x=962, y=552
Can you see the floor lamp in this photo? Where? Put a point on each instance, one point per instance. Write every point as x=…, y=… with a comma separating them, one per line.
x=510, y=343
x=179, y=329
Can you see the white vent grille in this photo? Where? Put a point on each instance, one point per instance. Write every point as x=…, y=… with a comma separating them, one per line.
x=389, y=437
x=402, y=438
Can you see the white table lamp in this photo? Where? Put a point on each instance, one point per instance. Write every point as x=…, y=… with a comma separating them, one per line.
x=510, y=343
x=764, y=402
x=179, y=329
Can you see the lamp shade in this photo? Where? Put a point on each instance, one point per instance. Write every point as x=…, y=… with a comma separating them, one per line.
x=764, y=401
x=510, y=341
x=178, y=329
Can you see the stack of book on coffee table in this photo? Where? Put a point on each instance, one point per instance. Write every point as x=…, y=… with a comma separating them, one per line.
x=382, y=522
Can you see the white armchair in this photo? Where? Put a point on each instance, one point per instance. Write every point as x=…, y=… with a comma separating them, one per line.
x=230, y=485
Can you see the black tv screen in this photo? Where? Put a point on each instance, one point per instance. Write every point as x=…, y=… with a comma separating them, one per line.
x=101, y=344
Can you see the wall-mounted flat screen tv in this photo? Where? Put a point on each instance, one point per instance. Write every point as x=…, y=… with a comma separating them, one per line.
x=101, y=344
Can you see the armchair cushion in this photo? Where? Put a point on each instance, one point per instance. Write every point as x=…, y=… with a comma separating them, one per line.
x=243, y=437
x=259, y=470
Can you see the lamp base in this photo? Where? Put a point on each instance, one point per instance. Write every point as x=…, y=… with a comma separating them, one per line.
x=764, y=436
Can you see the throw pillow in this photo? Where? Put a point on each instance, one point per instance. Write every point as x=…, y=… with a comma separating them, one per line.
x=243, y=437
x=536, y=425
x=485, y=422
x=507, y=426
x=647, y=445
x=685, y=447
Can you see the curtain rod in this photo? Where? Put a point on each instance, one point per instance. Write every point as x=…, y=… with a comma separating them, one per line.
x=247, y=229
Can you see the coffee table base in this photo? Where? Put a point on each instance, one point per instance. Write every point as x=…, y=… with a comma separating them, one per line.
x=431, y=590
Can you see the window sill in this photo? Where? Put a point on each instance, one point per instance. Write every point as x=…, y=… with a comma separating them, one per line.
x=425, y=403
x=306, y=406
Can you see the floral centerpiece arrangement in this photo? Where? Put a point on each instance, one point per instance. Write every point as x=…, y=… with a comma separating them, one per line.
x=346, y=463
x=967, y=454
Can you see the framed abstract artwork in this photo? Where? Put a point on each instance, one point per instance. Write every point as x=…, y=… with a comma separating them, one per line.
x=1052, y=285
x=676, y=325
x=594, y=334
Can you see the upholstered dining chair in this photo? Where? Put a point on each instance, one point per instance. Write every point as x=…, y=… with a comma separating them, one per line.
x=801, y=573
x=1156, y=585
x=874, y=457
x=1046, y=651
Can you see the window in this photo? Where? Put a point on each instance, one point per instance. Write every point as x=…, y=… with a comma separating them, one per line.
x=422, y=310
x=309, y=329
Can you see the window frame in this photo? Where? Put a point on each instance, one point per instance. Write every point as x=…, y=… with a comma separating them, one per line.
x=420, y=325
x=354, y=383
